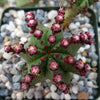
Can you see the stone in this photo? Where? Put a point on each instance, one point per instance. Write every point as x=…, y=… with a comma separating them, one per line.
x=81, y=83
x=39, y=88
x=13, y=96
x=8, y=43
x=52, y=14
x=2, y=86
x=6, y=39
x=73, y=96
x=46, y=91
x=1, y=39
x=38, y=95
x=20, y=65
x=8, y=85
x=84, y=29
x=53, y=88
x=4, y=92
x=81, y=49
x=20, y=95
x=14, y=71
x=72, y=26
x=3, y=78
x=40, y=12
x=55, y=96
x=8, y=98
x=75, y=89
x=62, y=96
x=21, y=14
x=23, y=40
x=83, y=96
x=19, y=34
x=67, y=97
x=3, y=34
x=82, y=88
x=76, y=77
x=38, y=84
x=90, y=91
x=13, y=13
x=16, y=77
x=18, y=22
x=13, y=35
x=90, y=84
x=25, y=27
x=7, y=14
x=92, y=76
x=9, y=76
x=94, y=63
x=48, y=96
x=16, y=86
x=93, y=55
x=78, y=24
x=91, y=98
x=11, y=27
x=30, y=93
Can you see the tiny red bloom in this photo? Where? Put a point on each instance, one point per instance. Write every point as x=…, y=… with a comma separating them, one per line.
x=75, y=38
x=38, y=33
x=32, y=50
x=69, y=59
x=56, y=28
x=7, y=48
x=53, y=65
x=59, y=19
x=64, y=43
x=27, y=78
x=25, y=86
x=61, y=11
x=87, y=67
x=80, y=64
x=62, y=86
x=35, y=69
x=32, y=23
x=57, y=77
x=52, y=39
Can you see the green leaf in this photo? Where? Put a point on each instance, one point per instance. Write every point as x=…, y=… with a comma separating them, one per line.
x=24, y=73
x=70, y=50
x=45, y=73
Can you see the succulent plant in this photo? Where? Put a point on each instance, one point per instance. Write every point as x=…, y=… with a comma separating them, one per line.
x=50, y=55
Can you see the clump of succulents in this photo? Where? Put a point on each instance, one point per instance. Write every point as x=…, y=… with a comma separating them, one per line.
x=50, y=55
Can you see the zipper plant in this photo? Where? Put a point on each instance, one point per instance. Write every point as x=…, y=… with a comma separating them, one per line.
x=48, y=54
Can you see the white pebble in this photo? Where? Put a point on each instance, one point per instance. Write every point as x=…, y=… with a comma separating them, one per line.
x=8, y=85
x=67, y=97
x=84, y=29
x=20, y=95
x=90, y=84
x=48, y=96
x=62, y=96
x=52, y=14
x=21, y=14
x=13, y=95
x=19, y=34
x=81, y=83
x=53, y=88
x=76, y=77
x=23, y=40
x=3, y=78
x=18, y=21
x=7, y=55
x=92, y=76
x=75, y=89
x=72, y=26
x=55, y=96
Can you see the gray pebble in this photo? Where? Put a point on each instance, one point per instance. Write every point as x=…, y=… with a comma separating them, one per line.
x=90, y=91
x=3, y=34
x=16, y=86
x=1, y=39
x=16, y=78
x=24, y=27
x=4, y=92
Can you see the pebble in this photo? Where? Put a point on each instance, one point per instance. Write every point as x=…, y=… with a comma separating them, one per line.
x=81, y=83
x=90, y=84
x=16, y=78
x=62, y=96
x=4, y=92
x=19, y=34
x=23, y=40
x=53, y=88
x=20, y=95
x=13, y=96
x=3, y=34
x=3, y=78
x=30, y=93
x=73, y=96
x=93, y=56
x=52, y=14
x=14, y=71
x=20, y=65
x=38, y=95
x=21, y=14
x=11, y=27
x=72, y=26
x=94, y=63
x=8, y=43
x=8, y=85
x=92, y=76
x=76, y=77
x=55, y=96
x=67, y=97
x=75, y=89
x=90, y=91
x=16, y=86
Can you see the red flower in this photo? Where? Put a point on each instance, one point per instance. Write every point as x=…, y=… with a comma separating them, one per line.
x=38, y=33
x=53, y=65
x=69, y=59
x=32, y=49
x=64, y=43
x=35, y=70
x=25, y=86
x=59, y=19
x=52, y=39
x=57, y=77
